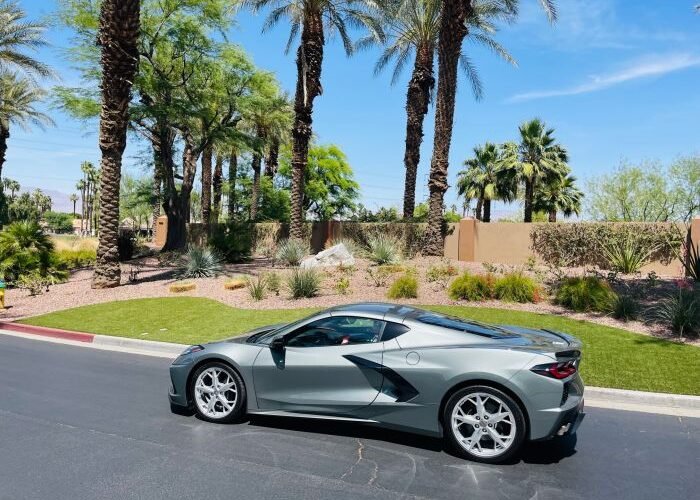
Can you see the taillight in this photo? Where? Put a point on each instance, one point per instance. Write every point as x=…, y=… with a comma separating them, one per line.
x=556, y=370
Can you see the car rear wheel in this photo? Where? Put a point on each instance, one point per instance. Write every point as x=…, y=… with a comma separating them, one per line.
x=218, y=393
x=484, y=424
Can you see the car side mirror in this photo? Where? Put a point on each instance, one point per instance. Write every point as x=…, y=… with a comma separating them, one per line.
x=277, y=344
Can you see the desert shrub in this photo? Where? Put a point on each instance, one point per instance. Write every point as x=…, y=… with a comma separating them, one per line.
x=199, y=262
x=627, y=255
x=232, y=241
x=265, y=238
x=382, y=249
x=587, y=293
x=516, y=287
x=256, y=287
x=392, y=268
x=291, y=252
x=304, y=283
x=680, y=311
x=625, y=307
x=405, y=287
x=76, y=259
x=378, y=276
x=235, y=284
x=33, y=282
x=342, y=286
x=126, y=244
x=184, y=286
x=441, y=273
x=472, y=287
x=582, y=244
x=274, y=282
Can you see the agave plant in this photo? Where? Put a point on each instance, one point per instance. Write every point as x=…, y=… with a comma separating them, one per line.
x=200, y=262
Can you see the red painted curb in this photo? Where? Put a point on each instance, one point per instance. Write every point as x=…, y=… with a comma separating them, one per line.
x=48, y=332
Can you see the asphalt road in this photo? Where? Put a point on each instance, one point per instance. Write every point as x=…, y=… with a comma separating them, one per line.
x=78, y=423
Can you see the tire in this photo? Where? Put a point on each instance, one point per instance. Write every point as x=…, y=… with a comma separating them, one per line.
x=229, y=388
x=466, y=433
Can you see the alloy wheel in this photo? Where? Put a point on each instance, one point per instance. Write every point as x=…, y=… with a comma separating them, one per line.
x=215, y=393
x=484, y=425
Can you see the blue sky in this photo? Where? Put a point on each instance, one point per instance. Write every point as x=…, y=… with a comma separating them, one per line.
x=617, y=79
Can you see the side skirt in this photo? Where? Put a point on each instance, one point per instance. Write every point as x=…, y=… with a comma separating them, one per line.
x=280, y=413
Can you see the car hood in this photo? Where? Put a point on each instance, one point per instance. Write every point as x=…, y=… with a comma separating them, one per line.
x=243, y=338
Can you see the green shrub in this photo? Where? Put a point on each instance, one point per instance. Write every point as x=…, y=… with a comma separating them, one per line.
x=628, y=255
x=233, y=241
x=342, y=286
x=76, y=259
x=516, y=287
x=625, y=307
x=441, y=273
x=680, y=311
x=304, y=283
x=587, y=293
x=291, y=252
x=378, y=276
x=58, y=222
x=199, y=262
x=383, y=249
x=256, y=287
x=405, y=287
x=472, y=287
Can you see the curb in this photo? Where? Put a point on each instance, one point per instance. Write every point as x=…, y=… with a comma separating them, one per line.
x=622, y=399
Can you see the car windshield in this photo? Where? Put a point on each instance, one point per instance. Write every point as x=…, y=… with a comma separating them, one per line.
x=266, y=337
x=463, y=325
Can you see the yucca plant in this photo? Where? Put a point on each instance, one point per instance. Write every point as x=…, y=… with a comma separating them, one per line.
x=680, y=311
x=383, y=249
x=256, y=287
x=304, y=283
x=200, y=262
x=628, y=255
x=291, y=252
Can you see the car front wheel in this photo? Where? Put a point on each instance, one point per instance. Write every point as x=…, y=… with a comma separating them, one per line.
x=484, y=424
x=218, y=393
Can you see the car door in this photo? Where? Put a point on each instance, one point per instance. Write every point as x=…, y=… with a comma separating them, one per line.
x=327, y=366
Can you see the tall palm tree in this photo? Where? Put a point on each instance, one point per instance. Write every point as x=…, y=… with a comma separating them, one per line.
x=17, y=34
x=537, y=159
x=483, y=182
x=117, y=38
x=559, y=195
x=18, y=98
x=313, y=19
x=453, y=31
x=11, y=185
x=412, y=28
x=74, y=199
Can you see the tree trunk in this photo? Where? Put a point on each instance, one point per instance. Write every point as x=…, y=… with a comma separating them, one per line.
x=272, y=160
x=417, y=101
x=206, y=188
x=553, y=215
x=232, y=174
x=452, y=33
x=256, y=165
x=216, y=182
x=529, y=193
x=4, y=136
x=118, y=36
x=156, y=193
x=479, y=209
x=487, y=211
x=309, y=62
x=178, y=205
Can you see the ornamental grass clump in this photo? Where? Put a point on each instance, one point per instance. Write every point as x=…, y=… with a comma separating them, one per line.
x=585, y=293
x=184, y=286
x=256, y=287
x=472, y=287
x=405, y=287
x=680, y=311
x=291, y=252
x=383, y=249
x=516, y=287
x=625, y=308
x=304, y=283
x=628, y=255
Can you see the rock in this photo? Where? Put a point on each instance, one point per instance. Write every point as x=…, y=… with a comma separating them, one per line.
x=337, y=255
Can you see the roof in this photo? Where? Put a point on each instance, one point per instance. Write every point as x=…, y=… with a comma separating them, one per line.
x=382, y=310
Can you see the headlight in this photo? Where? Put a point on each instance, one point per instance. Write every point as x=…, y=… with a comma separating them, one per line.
x=192, y=349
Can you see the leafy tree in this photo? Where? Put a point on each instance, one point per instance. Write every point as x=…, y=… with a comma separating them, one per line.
x=313, y=19
x=273, y=200
x=412, y=29
x=535, y=160
x=23, y=208
x=16, y=35
x=560, y=195
x=58, y=222
x=453, y=31
x=483, y=181
x=135, y=200
x=330, y=190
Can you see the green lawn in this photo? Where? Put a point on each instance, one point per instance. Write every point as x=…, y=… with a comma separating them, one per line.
x=612, y=357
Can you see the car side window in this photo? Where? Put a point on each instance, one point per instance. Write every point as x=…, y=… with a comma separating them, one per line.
x=393, y=330
x=337, y=330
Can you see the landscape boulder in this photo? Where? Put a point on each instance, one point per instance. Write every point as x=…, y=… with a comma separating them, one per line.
x=337, y=255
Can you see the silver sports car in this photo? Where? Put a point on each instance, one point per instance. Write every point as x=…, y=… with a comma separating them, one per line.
x=487, y=389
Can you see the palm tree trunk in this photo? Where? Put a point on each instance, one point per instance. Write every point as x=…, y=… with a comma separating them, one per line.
x=452, y=33
x=4, y=136
x=417, y=101
x=206, y=188
x=479, y=208
x=74, y=203
x=272, y=159
x=309, y=62
x=487, y=211
x=118, y=35
x=232, y=174
x=553, y=215
x=256, y=165
x=216, y=182
x=529, y=193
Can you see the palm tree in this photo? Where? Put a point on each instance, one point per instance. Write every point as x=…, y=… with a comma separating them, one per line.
x=412, y=28
x=18, y=98
x=74, y=199
x=117, y=38
x=313, y=19
x=17, y=34
x=453, y=30
x=559, y=195
x=536, y=159
x=481, y=181
x=80, y=186
x=11, y=185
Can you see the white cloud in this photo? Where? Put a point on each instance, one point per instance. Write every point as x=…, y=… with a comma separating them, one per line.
x=650, y=66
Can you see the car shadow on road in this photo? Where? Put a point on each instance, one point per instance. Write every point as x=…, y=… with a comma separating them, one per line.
x=540, y=452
